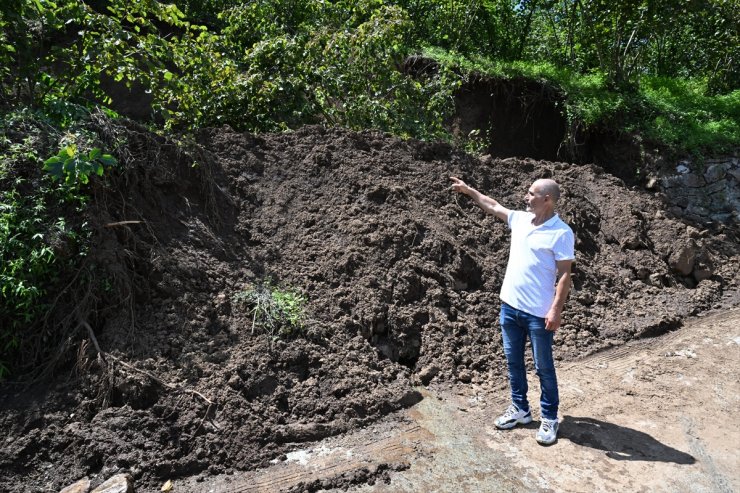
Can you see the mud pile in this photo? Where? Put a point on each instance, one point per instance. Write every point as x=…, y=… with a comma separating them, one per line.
x=401, y=275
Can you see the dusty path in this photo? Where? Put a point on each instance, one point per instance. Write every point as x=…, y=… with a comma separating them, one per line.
x=654, y=415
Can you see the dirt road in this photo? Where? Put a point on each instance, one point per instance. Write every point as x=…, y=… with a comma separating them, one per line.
x=654, y=415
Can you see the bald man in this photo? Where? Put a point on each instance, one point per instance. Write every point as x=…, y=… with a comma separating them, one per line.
x=533, y=293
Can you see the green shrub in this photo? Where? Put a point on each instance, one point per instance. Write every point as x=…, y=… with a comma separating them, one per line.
x=30, y=266
x=43, y=236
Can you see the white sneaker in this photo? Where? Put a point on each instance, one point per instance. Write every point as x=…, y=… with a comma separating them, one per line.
x=512, y=417
x=548, y=431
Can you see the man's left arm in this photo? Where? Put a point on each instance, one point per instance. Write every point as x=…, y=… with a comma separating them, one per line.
x=553, y=317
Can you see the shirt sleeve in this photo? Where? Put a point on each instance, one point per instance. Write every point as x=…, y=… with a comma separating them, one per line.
x=564, y=248
x=512, y=218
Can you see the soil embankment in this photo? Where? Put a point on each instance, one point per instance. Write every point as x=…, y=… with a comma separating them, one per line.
x=401, y=277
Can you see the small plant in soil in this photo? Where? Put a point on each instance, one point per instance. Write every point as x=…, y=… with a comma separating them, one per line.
x=73, y=166
x=275, y=311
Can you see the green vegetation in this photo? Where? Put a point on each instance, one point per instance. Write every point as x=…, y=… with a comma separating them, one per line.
x=43, y=236
x=274, y=311
x=269, y=65
x=680, y=114
x=75, y=167
x=666, y=71
x=683, y=115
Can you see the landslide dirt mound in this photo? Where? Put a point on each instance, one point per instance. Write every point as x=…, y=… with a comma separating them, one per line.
x=401, y=275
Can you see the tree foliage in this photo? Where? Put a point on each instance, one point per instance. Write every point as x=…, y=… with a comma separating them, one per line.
x=276, y=64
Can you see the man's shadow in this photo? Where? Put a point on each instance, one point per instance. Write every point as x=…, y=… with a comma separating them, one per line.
x=619, y=442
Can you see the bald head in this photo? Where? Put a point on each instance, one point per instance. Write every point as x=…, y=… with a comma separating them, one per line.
x=546, y=186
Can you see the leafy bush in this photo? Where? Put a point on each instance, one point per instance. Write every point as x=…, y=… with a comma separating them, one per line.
x=37, y=249
x=25, y=260
x=43, y=236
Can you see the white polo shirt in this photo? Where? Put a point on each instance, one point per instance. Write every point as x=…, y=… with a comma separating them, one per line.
x=531, y=274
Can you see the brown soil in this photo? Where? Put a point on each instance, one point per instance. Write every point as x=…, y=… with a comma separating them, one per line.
x=651, y=415
x=401, y=277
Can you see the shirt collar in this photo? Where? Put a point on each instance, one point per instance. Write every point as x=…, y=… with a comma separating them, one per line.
x=548, y=223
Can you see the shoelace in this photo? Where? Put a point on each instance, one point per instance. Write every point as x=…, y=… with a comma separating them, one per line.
x=546, y=426
x=510, y=412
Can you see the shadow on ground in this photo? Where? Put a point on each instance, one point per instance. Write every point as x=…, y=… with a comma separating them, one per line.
x=619, y=442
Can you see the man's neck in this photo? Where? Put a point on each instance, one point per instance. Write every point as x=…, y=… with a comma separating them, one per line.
x=539, y=220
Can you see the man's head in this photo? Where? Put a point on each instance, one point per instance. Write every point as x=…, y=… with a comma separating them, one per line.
x=542, y=196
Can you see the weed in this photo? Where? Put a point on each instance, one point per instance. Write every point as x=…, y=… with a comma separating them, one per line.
x=275, y=311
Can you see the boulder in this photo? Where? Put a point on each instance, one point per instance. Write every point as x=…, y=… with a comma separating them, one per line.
x=716, y=172
x=682, y=259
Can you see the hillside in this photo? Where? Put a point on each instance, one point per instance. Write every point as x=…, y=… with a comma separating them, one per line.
x=400, y=275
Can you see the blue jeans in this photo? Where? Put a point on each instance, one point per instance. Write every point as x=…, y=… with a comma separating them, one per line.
x=516, y=326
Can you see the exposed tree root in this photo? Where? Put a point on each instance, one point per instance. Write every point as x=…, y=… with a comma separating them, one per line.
x=105, y=357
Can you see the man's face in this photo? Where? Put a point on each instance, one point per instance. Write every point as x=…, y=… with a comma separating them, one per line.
x=535, y=199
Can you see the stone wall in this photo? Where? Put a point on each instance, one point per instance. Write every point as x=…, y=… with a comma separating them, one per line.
x=704, y=192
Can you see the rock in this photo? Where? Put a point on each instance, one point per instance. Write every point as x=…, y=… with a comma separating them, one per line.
x=81, y=486
x=692, y=232
x=719, y=187
x=715, y=172
x=235, y=382
x=735, y=173
x=697, y=210
x=721, y=218
x=464, y=376
x=703, y=267
x=656, y=280
x=683, y=258
x=428, y=373
x=120, y=483
x=693, y=181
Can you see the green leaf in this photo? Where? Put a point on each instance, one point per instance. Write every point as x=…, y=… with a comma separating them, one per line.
x=54, y=167
x=68, y=166
x=108, y=160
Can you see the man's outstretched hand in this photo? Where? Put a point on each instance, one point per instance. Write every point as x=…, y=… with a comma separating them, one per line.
x=458, y=185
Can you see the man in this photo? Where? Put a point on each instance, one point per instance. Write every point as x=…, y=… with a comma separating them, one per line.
x=533, y=293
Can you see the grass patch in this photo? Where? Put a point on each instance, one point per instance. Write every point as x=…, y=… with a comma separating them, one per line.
x=678, y=114
x=684, y=116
